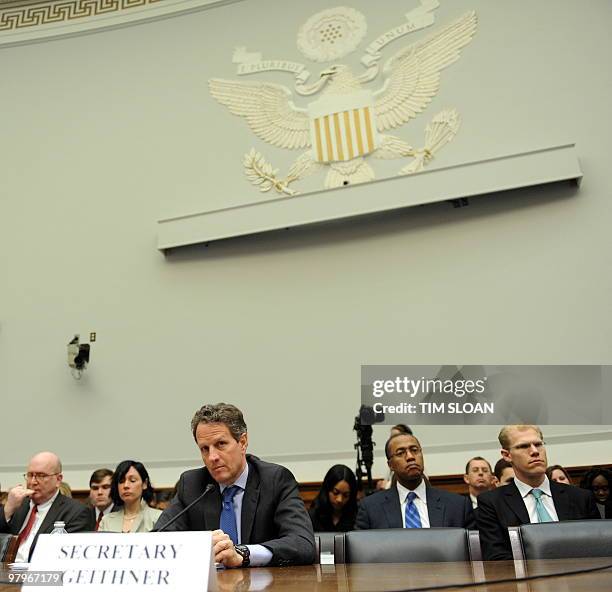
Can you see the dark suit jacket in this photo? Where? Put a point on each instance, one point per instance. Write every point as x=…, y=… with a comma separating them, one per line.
x=325, y=523
x=93, y=512
x=75, y=515
x=474, y=509
x=383, y=510
x=504, y=507
x=273, y=514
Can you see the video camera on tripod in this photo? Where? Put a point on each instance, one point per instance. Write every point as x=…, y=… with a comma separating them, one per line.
x=364, y=445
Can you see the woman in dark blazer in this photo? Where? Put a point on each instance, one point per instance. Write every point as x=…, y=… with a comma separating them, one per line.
x=335, y=507
x=599, y=480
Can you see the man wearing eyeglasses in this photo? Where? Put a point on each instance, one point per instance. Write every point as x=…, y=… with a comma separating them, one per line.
x=412, y=503
x=530, y=497
x=32, y=510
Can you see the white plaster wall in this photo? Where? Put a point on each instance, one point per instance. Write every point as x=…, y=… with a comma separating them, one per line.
x=104, y=133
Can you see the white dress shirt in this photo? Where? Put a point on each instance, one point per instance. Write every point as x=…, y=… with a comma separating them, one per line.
x=24, y=550
x=420, y=501
x=530, y=502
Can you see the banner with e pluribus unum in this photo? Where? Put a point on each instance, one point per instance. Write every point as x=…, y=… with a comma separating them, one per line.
x=345, y=125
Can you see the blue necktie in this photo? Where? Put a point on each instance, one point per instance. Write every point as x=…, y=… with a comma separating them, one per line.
x=543, y=515
x=413, y=520
x=228, y=516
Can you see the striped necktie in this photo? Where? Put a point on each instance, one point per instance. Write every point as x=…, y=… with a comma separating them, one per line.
x=413, y=519
x=542, y=513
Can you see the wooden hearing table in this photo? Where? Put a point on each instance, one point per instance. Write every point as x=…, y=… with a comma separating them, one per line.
x=395, y=576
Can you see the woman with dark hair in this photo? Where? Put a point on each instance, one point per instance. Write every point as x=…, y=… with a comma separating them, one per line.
x=598, y=480
x=131, y=490
x=558, y=474
x=335, y=507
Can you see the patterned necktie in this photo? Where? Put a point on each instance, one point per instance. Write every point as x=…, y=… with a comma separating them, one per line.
x=228, y=516
x=413, y=520
x=100, y=516
x=23, y=535
x=542, y=513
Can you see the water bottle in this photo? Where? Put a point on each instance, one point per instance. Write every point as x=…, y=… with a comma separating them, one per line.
x=58, y=528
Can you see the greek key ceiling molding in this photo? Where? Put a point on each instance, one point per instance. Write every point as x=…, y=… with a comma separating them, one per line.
x=33, y=14
x=23, y=21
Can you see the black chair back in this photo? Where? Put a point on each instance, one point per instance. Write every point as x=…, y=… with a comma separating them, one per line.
x=563, y=540
x=402, y=545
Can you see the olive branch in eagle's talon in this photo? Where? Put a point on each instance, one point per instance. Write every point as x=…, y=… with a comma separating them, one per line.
x=260, y=173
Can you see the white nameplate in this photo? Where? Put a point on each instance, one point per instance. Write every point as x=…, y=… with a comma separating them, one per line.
x=132, y=561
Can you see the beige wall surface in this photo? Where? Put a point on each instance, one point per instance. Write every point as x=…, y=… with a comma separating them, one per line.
x=102, y=134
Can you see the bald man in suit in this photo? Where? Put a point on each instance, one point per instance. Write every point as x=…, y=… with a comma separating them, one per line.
x=31, y=510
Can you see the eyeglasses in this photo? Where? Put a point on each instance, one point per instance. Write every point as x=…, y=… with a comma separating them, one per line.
x=527, y=445
x=38, y=476
x=400, y=452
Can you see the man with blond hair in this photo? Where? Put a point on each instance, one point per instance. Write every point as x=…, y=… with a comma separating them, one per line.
x=32, y=510
x=530, y=497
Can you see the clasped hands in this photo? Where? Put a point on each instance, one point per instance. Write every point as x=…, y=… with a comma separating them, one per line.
x=223, y=549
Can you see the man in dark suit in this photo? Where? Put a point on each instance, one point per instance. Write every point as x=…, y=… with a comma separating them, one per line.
x=479, y=478
x=100, y=495
x=530, y=497
x=252, y=507
x=32, y=510
x=412, y=503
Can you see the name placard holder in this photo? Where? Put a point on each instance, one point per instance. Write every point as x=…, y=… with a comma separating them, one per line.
x=131, y=561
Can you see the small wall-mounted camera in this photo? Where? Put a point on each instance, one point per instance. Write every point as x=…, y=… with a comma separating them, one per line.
x=78, y=356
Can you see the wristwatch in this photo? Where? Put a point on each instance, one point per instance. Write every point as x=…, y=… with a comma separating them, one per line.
x=244, y=552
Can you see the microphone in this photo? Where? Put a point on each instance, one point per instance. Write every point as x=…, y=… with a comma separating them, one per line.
x=208, y=489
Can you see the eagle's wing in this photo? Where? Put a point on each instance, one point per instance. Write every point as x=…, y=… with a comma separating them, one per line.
x=267, y=109
x=414, y=73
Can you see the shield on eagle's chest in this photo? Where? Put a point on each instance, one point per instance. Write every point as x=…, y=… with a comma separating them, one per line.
x=342, y=127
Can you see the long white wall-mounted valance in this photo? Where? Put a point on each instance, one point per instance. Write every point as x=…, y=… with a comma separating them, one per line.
x=538, y=166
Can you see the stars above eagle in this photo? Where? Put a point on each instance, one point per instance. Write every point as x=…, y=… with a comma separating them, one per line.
x=411, y=79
